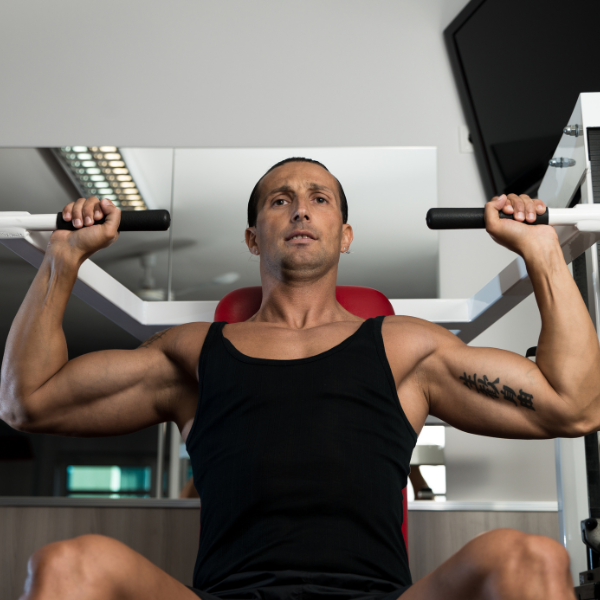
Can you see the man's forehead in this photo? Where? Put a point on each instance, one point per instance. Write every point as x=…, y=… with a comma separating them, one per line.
x=302, y=175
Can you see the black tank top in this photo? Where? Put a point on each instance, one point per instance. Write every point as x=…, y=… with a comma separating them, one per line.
x=300, y=464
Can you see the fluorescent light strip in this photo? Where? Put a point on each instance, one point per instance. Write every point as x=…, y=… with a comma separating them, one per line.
x=101, y=171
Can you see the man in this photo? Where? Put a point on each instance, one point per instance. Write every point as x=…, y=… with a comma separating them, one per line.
x=300, y=422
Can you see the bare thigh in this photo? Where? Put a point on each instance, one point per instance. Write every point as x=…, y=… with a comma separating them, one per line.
x=503, y=564
x=94, y=567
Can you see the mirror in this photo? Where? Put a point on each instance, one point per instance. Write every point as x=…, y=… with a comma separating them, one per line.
x=203, y=257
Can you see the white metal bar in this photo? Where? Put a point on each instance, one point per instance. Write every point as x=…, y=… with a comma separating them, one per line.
x=11, y=219
x=47, y=222
x=575, y=215
x=465, y=317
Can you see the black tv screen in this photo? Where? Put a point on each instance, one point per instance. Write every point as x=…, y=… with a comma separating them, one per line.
x=520, y=66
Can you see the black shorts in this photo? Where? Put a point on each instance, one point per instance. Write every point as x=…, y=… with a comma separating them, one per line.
x=295, y=585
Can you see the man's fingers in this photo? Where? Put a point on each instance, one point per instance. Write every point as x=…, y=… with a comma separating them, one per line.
x=508, y=208
x=89, y=208
x=492, y=209
x=67, y=211
x=529, y=208
x=77, y=213
x=540, y=207
x=113, y=214
x=499, y=202
x=85, y=212
x=98, y=214
x=518, y=206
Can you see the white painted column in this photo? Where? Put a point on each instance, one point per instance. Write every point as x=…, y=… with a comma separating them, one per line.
x=571, y=484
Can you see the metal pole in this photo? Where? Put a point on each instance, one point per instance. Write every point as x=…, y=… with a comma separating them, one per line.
x=174, y=470
x=160, y=458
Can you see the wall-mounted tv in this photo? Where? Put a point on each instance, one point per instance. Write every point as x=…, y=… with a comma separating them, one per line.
x=520, y=66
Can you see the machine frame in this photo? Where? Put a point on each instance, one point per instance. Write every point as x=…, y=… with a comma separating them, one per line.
x=573, y=177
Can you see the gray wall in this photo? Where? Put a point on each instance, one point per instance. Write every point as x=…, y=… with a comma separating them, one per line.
x=262, y=73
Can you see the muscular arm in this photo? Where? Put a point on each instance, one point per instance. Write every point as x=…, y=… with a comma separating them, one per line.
x=102, y=393
x=498, y=393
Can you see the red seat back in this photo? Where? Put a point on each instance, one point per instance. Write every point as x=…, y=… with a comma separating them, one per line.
x=241, y=304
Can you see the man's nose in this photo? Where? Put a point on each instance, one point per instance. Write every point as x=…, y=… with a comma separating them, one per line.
x=301, y=212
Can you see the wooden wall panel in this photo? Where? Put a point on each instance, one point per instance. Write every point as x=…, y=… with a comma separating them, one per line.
x=166, y=536
x=435, y=536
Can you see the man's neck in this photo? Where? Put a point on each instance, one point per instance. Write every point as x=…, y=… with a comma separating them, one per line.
x=301, y=304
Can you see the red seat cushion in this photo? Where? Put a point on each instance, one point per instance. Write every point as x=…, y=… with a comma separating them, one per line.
x=363, y=302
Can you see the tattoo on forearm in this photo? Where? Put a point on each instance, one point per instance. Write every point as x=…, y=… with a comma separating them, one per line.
x=153, y=339
x=492, y=390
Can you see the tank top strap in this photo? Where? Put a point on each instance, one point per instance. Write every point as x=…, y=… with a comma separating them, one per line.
x=210, y=341
x=374, y=325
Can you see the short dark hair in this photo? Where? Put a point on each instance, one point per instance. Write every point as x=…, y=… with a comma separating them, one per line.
x=255, y=195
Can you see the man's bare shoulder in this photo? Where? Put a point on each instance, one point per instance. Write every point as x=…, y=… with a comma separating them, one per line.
x=413, y=325
x=419, y=338
x=181, y=344
x=170, y=338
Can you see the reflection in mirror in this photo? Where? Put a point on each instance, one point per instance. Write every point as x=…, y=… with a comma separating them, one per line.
x=389, y=191
x=427, y=465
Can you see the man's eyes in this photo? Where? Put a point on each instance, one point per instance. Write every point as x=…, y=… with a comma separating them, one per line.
x=282, y=201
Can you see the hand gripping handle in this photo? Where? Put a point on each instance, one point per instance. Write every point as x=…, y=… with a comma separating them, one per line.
x=468, y=218
x=131, y=220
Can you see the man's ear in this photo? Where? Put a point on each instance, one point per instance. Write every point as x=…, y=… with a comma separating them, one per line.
x=251, y=242
x=347, y=237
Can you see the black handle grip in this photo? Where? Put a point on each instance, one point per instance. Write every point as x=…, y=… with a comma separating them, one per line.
x=468, y=218
x=131, y=220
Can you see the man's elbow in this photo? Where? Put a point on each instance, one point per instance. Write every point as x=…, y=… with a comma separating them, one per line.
x=15, y=414
x=578, y=426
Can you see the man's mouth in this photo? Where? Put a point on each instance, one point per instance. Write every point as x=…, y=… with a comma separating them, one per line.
x=300, y=235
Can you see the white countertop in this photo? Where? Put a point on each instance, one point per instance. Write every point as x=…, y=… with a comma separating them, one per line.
x=484, y=506
x=421, y=505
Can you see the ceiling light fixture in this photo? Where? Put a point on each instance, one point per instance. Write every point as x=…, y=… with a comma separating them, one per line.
x=101, y=171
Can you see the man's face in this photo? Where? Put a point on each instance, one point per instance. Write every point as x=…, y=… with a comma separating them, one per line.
x=299, y=231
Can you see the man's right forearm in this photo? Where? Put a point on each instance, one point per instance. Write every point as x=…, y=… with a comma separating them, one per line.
x=36, y=348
